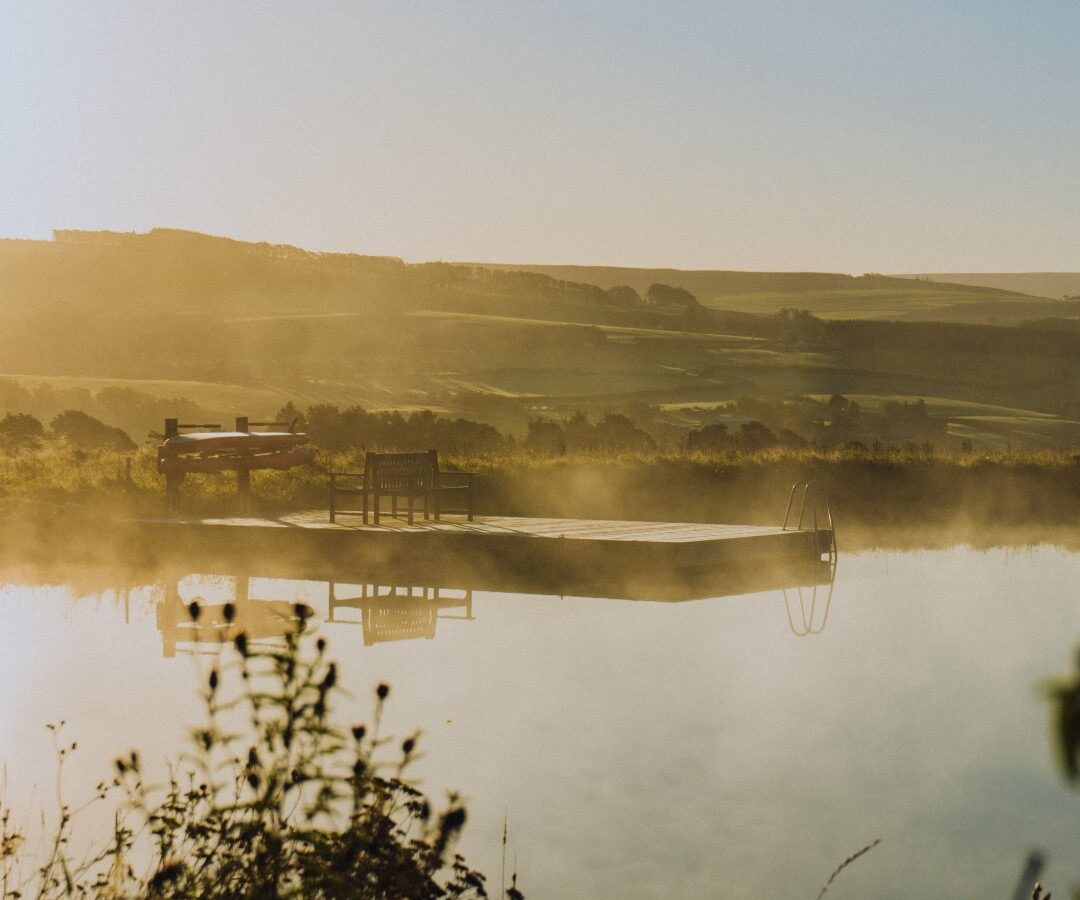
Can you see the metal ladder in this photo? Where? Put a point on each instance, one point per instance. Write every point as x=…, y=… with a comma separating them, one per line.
x=815, y=515
x=809, y=620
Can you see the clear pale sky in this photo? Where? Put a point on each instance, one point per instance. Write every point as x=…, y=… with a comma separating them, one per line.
x=872, y=135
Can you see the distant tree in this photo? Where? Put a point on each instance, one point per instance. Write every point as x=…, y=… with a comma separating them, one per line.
x=792, y=439
x=838, y=404
x=616, y=433
x=665, y=295
x=709, y=437
x=580, y=433
x=19, y=432
x=624, y=296
x=908, y=420
x=466, y=436
x=136, y=412
x=326, y=428
x=546, y=438
x=292, y=416
x=87, y=433
x=799, y=327
x=755, y=436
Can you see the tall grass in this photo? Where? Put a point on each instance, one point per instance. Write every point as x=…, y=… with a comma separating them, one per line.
x=272, y=800
x=906, y=486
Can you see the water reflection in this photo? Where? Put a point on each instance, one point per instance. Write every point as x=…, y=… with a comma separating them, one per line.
x=396, y=612
x=812, y=603
x=389, y=610
x=1064, y=697
x=261, y=620
x=643, y=749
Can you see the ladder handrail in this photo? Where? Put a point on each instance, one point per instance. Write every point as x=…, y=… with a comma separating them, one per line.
x=808, y=626
x=813, y=494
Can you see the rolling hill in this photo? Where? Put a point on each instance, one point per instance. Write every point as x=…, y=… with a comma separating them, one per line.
x=241, y=328
x=828, y=295
x=1039, y=284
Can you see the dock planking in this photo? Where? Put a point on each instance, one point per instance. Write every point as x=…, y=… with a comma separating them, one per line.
x=589, y=554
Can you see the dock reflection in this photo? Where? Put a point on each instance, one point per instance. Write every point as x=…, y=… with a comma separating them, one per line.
x=392, y=605
x=395, y=612
x=389, y=608
x=219, y=623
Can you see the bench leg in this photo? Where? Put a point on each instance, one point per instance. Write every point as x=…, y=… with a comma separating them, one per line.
x=410, y=507
x=393, y=506
x=365, y=508
x=172, y=492
x=468, y=495
x=377, y=504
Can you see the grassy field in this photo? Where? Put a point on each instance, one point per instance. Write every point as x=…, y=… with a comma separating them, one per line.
x=893, y=303
x=225, y=328
x=1037, y=284
x=671, y=381
x=835, y=296
x=212, y=395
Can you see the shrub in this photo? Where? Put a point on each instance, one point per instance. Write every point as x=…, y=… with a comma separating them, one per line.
x=87, y=433
x=287, y=806
x=19, y=432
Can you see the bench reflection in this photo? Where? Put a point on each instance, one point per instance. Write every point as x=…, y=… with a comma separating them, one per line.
x=404, y=609
x=398, y=612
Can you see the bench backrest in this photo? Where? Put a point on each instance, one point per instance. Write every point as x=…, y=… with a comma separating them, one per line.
x=402, y=472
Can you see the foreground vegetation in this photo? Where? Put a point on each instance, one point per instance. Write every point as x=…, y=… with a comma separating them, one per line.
x=273, y=800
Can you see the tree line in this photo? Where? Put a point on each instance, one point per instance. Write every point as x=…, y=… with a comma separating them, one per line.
x=748, y=425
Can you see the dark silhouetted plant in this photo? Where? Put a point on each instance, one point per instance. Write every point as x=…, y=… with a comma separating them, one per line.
x=272, y=801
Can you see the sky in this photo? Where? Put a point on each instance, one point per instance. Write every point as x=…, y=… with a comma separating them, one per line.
x=868, y=136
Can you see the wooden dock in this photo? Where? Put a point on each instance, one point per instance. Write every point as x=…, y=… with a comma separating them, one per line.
x=663, y=560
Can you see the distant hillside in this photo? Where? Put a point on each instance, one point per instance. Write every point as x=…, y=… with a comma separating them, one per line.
x=826, y=294
x=1038, y=284
x=129, y=327
x=169, y=271
x=707, y=284
x=183, y=271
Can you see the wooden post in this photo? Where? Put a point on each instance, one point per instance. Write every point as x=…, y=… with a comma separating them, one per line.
x=243, y=475
x=172, y=490
x=172, y=479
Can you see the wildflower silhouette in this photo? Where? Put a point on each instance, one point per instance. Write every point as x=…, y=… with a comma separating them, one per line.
x=287, y=806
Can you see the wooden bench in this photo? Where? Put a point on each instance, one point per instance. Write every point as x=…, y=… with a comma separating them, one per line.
x=412, y=476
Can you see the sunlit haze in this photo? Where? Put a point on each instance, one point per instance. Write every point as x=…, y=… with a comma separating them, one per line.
x=840, y=136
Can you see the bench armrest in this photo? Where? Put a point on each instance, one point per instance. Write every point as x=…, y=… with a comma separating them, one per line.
x=335, y=477
x=445, y=477
x=353, y=482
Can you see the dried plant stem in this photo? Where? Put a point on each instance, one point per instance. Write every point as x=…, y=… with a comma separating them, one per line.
x=847, y=862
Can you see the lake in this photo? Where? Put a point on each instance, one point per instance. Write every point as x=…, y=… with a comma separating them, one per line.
x=736, y=746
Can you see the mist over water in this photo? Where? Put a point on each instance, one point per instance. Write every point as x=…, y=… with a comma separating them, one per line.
x=640, y=749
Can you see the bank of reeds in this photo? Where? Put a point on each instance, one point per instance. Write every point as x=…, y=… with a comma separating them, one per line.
x=869, y=490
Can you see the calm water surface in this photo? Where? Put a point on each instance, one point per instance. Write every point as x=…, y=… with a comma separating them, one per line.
x=701, y=749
